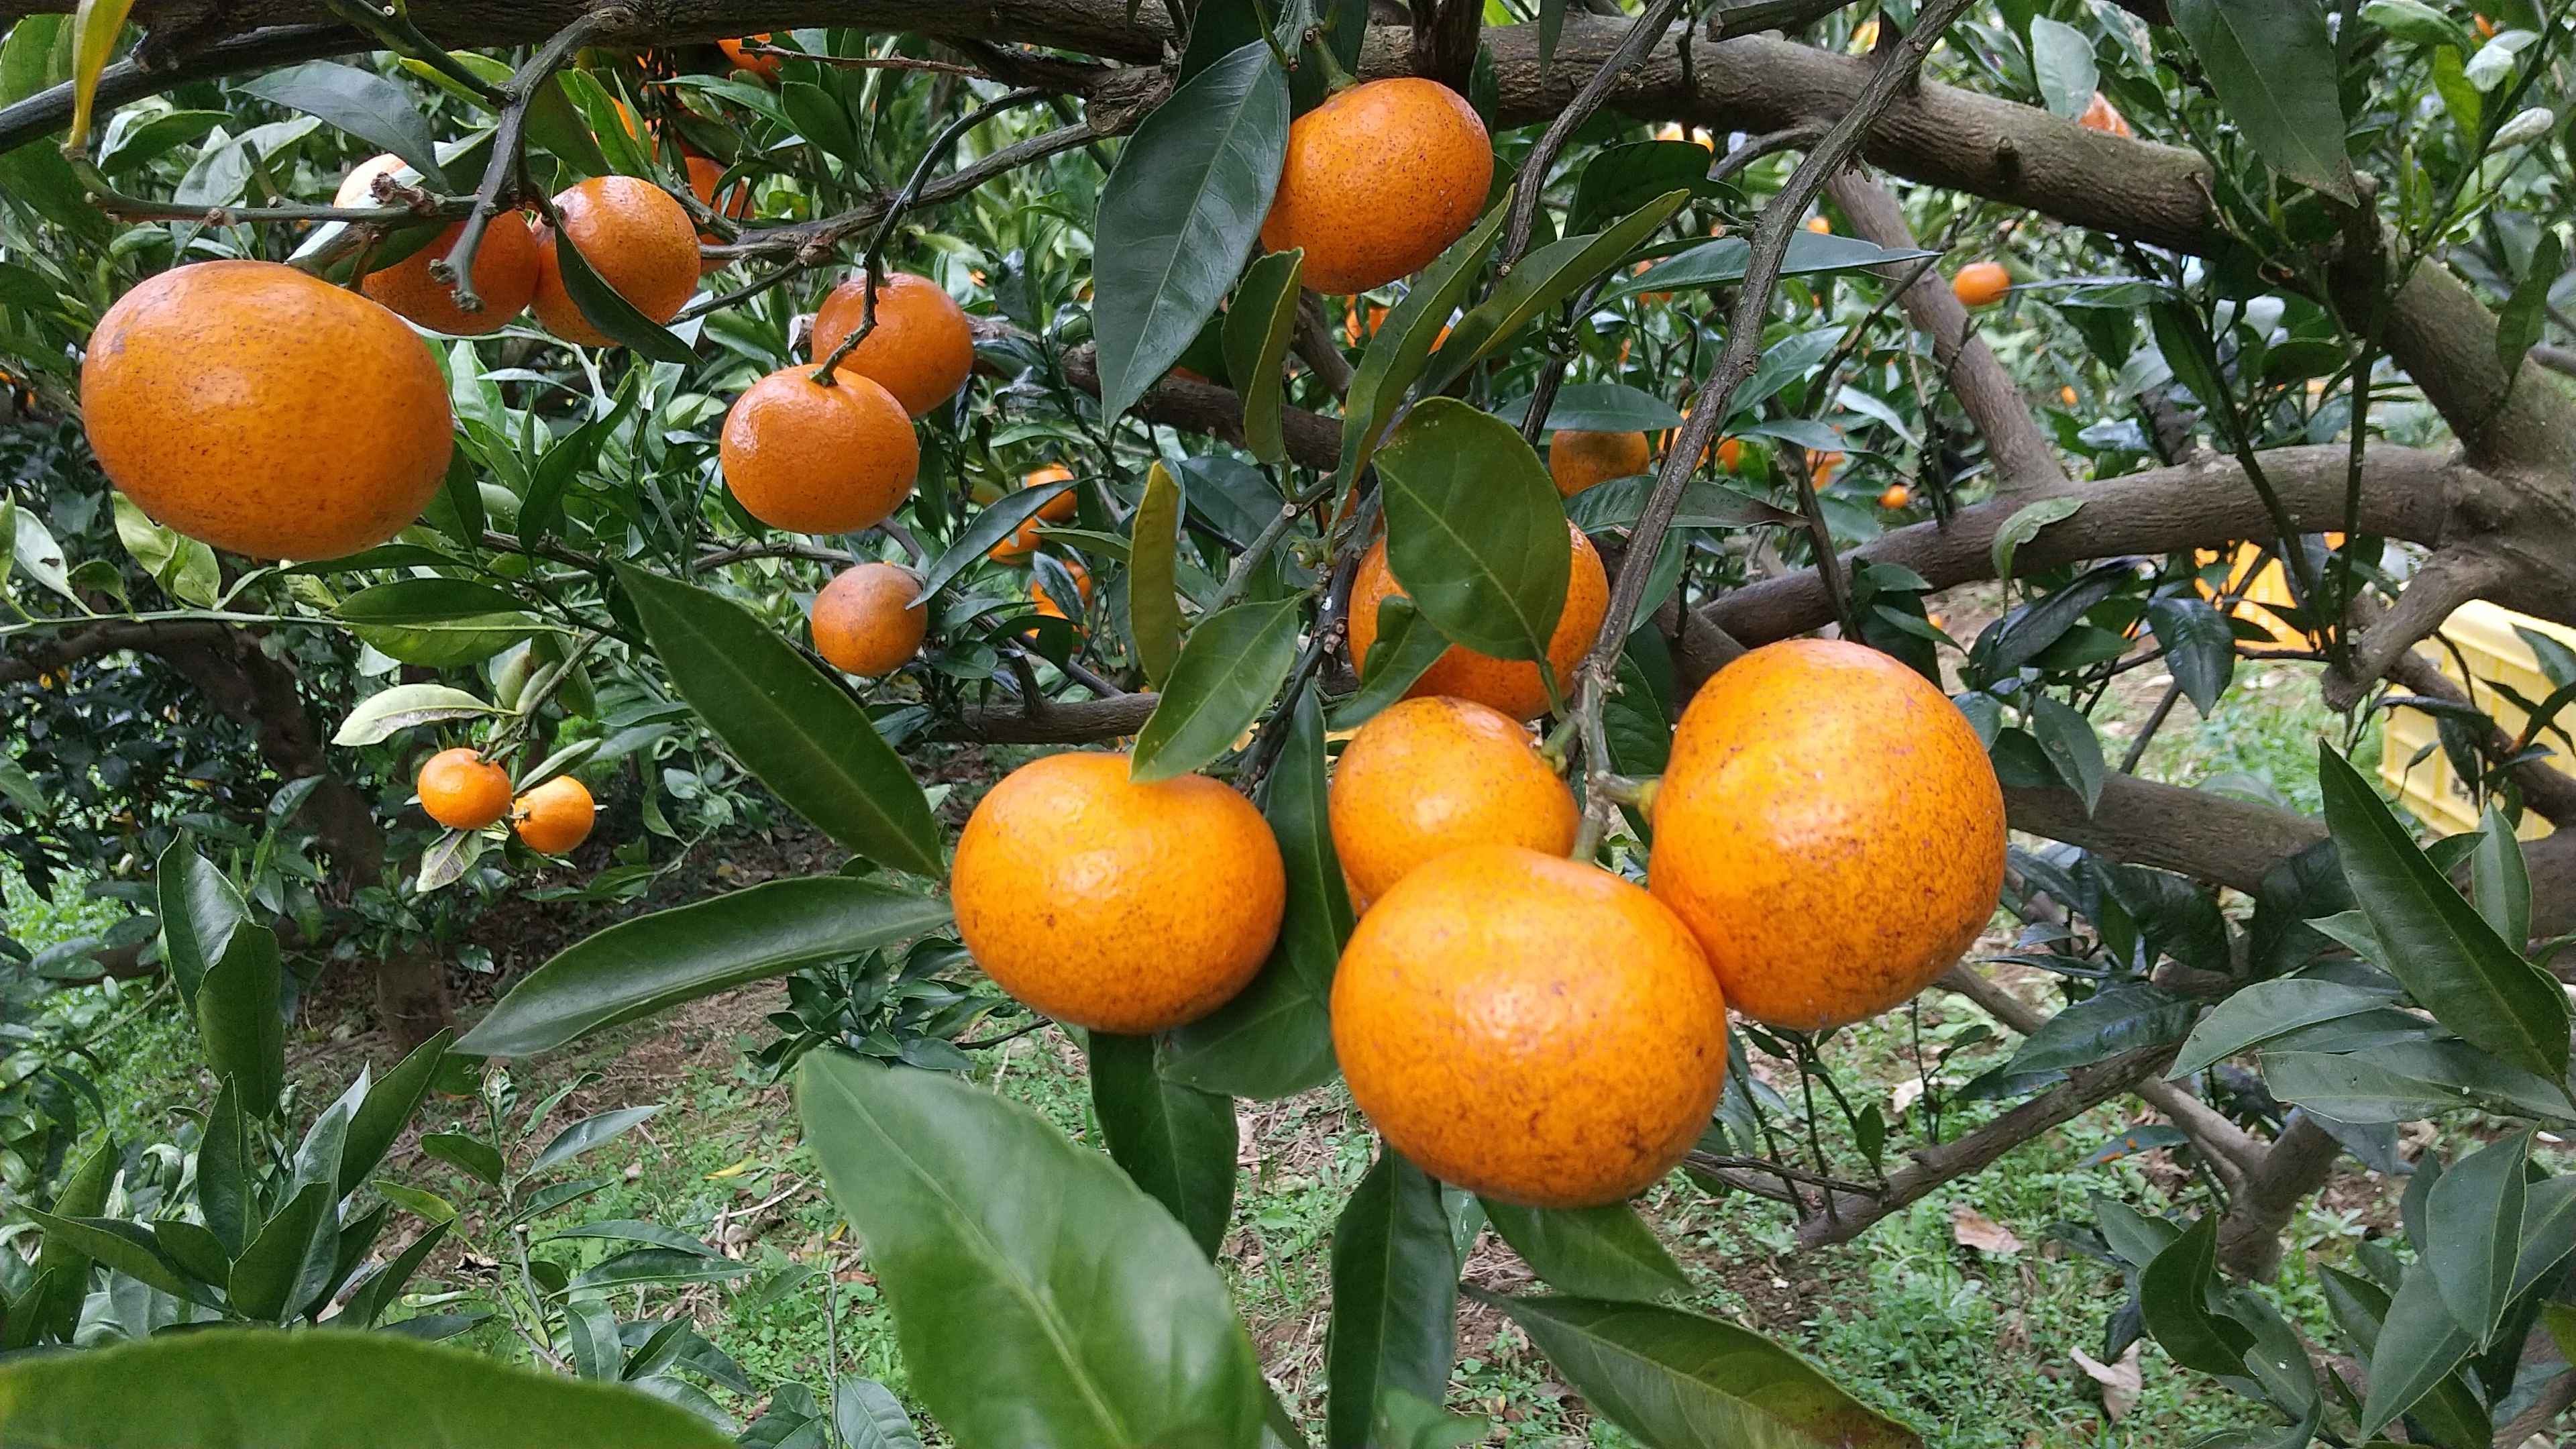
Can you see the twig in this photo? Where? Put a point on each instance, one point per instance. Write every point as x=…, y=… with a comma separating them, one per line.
x=863, y=62
x=1648, y=28
x=814, y=240
x=456, y=269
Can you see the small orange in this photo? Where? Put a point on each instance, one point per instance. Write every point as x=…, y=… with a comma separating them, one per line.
x=1510, y=685
x=1530, y=1028
x=1059, y=509
x=764, y=66
x=815, y=459
x=2067, y=396
x=865, y=620
x=1081, y=586
x=1578, y=460
x=2103, y=116
x=1981, y=284
x=1730, y=454
x=704, y=173
x=1351, y=329
x=505, y=266
x=1821, y=467
x=1896, y=497
x=639, y=241
x=1830, y=829
x=920, y=348
x=264, y=411
x=1117, y=906
x=1820, y=226
x=554, y=817
x=1426, y=776
x=1379, y=179
x=463, y=791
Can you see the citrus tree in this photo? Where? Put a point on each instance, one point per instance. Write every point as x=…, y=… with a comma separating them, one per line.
x=1435, y=477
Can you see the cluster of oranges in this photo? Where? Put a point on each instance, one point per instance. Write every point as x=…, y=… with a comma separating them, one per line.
x=464, y=791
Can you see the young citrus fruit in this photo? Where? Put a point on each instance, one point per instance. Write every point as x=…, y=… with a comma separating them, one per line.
x=1830, y=829
x=1529, y=1027
x=1379, y=179
x=554, y=817
x=763, y=66
x=1427, y=776
x=1059, y=509
x=1081, y=586
x=865, y=621
x=921, y=348
x=265, y=411
x=639, y=241
x=505, y=266
x=1730, y=454
x=1578, y=460
x=463, y=791
x=1117, y=906
x=1981, y=284
x=2103, y=116
x=1820, y=226
x=1896, y=497
x=815, y=459
x=704, y=174
x=1510, y=685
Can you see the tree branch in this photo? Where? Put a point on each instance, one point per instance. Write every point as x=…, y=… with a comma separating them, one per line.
x=2209, y=837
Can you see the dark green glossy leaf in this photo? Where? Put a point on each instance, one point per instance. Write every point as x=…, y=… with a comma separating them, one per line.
x=1228, y=672
x=127, y=1247
x=196, y=1251
x=2403, y=1081
x=2102, y=1026
x=1176, y=1141
x=2269, y=1009
x=1039, y=1296
x=1179, y=214
x=1406, y=646
x=1617, y=504
x=249, y=1389
x=614, y=316
x=238, y=1022
x=380, y=1290
x=2448, y=1411
x=869, y=1416
x=1597, y=1252
x=360, y=102
x=589, y=1133
x=2272, y=63
x=267, y=1277
x=2200, y=650
x=1395, y=1297
x=425, y=601
x=1547, y=276
x=656, y=1265
x=199, y=910
x=387, y=1108
x=654, y=962
x=2420, y=1346
x=1475, y=532
x=224, y=1173
x=802, y=734
x=1402, y=343
x=1721, y=262
x=469, y=1154
x=2473, y=1233
x=998, y=521
x=1601, y=407
x=1619, y=179
x=1257, y=329
x=452, y=644
x=2173, y=1295
x=2067, y=738
x=1153, y=602
x=2499, y=880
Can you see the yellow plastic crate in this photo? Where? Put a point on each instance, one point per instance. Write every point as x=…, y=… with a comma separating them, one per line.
x=2267, y=587
x=2482, y=634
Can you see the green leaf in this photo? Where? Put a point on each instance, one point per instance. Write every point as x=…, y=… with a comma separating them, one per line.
x=1601, y=407
x=238, y=1022
x=614, y=316
x=199, y=910
x=1233, y=665
x=1547, y=276
x=1275, y=1038
x=656, y=1265
x=2025, y=524
x=360, y=102
x=1179, y=214
x=799, y=732
x=387, y=1108
x=2173, y=1297
x=424, y=601
x=184, y=568
x=96, y=26
x=1475, y=533
x=589, y=1133
x=1395, y=1296
x=1617, y=504
x=266, y=1279
x=1720, y=263
x=379, y=1290
x=2439, y=948
x=2499, y=880
x=450, y=645
x=2102, y=1026
x=1677, y=1380
x=1153, y=602
x=2272, y=63
x=2420, y=1345
x=127, y=1247
x=1257, y=330
x=1176, y=1141
x=2067, y=738
x=1039, y=1296
x=654, y=962
x=2269, y=1009
x=2416, y=23
x=471, y=1155
x=1597, y=1252
x=225, y=1173
x=1406, y=646
x=2526, y=313
x=997, y=522
x=1402, y=343
x=869, y=1416
x=635, y=1230
x=386, y=713
x=2061, y=56
x=2473, y=1233
x=251, y=1389
x=2404, y=1081
x=2200, y=650
x=1621, y=178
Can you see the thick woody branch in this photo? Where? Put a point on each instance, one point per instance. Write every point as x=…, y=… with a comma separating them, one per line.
x=2447, y=580
x=2297, y=1163
x=2214, y=838
x=1201, y=407
x=1048, y=722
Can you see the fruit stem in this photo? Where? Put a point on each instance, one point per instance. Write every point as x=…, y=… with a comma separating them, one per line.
x=509, y=141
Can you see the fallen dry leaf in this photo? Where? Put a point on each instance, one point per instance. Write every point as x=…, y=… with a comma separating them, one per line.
x=2120, y=1381
x=1970, y=1228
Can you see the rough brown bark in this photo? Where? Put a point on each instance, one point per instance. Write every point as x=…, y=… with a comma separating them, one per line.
x=2213, y=838
x=2296, y=1164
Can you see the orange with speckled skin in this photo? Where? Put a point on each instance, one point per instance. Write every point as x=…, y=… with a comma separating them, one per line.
x=920, y=348
x=505, y=266
x=1379, y=179
x=462, y=790
x=265, y=411
x=639, y=241
x=1578, y=460
x=1830, y=829
x=1981, y=284
x=1059, y=509
x=817, y=459
x=865, y=620
x=1428, y=776
x=555, y=816
x=764, y=66
x=1528, y=1027
x=1509, y=685
x=1113, y=905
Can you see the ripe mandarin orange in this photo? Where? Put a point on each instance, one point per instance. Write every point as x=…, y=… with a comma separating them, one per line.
x=1981, y=284
x=505, y=266
x=921, y=348
x=1730, y=454
x=2103, y=116
x=704, y=173
x=639, y=241
x=1427, y=776
x=1578, y=460
x=1529, y=1027
x=1896, y=497
x=463, y=791
x=554, y=817
x=1081, y=586
x=1509, y=685
x=1379, y=179
x=1059, y=509
x=1117, y=906
x=1830, y=830
x=865, y=620
x=265, y=411
x=763, y=66
x=1820, y=226
x=1821, y=467
x=2068, y=396
x=815, y=459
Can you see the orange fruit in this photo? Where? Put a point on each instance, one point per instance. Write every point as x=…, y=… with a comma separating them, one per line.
x=1830, y=829
x=1530, y=1027
x=264, y=411
x=865, y=620
x=463, y=791
x=1379, y=179
x=554, y=817
x=2103, y=116
x=1896, y=497
x=815, y=459
x=505, y=266
x=1820, y=226
x=1578, y=460
x=1981, y=284
x=763, y=66
x=1081, y=586
x=921, y=348
x=1509, y=685
x=1059, y=509
x=639, y=241
x=1821, y=467
x=2067, y=395
x=1427, y=776
x=1730, y=454
x=704, y=173
x=1117, y=906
